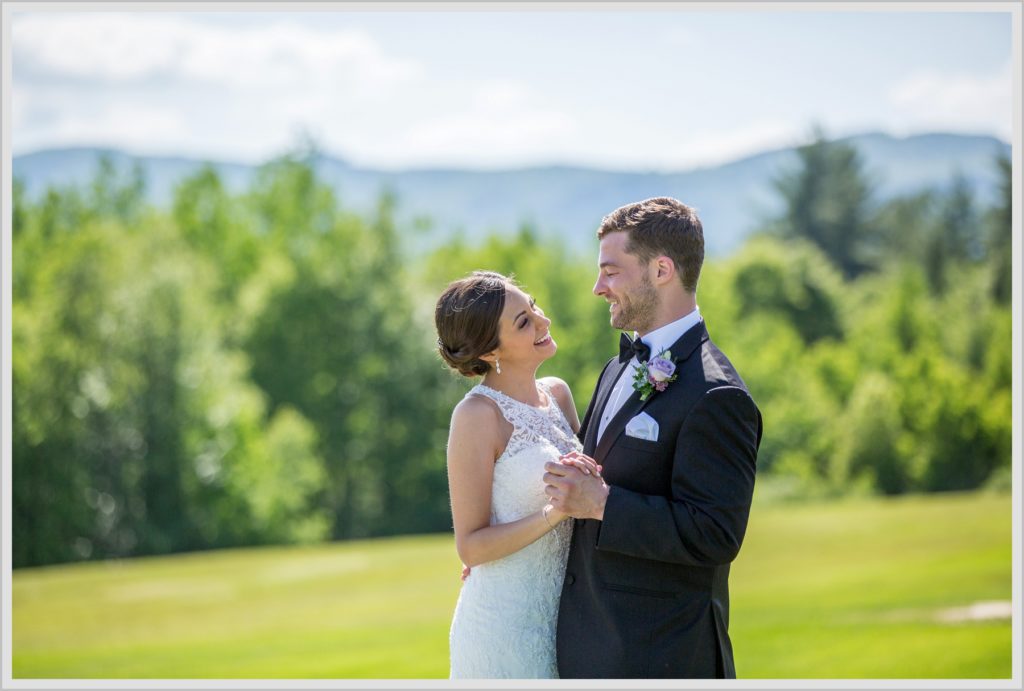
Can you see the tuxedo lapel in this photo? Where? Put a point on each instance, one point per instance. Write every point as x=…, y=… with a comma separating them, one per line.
x=681, y=350
x=604, y=391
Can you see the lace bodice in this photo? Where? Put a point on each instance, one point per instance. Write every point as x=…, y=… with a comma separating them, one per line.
x=504, y=624
x=532, y=425
x=518, y=489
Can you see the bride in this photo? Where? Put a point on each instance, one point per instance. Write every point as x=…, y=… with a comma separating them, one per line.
x=502, y=433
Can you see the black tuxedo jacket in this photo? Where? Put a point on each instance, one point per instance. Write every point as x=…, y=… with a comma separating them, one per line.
x=646, y=589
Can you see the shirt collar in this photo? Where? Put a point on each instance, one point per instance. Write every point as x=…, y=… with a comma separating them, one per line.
x=663, y=337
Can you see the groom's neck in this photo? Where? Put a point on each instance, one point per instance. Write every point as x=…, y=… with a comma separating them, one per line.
x=671, y=307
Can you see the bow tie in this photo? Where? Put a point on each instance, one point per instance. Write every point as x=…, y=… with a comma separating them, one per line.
x=628, y=348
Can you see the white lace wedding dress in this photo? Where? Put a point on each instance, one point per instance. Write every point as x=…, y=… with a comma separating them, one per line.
x=504, y=623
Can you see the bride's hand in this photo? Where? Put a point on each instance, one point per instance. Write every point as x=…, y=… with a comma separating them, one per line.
x=585, y=464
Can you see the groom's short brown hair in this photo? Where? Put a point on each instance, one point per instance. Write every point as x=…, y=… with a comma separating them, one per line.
x=661, y=226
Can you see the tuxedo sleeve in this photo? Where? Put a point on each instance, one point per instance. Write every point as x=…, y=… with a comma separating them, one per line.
x=703, y=522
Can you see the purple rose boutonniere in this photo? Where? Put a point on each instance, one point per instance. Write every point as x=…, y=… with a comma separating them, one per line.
x=655, y=374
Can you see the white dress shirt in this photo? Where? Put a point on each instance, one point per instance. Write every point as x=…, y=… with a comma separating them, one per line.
x=659, y=339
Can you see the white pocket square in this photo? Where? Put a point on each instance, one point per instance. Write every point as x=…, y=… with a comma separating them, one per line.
x=643, y=426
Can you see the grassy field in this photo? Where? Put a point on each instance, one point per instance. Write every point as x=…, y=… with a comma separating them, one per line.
x=851, y=589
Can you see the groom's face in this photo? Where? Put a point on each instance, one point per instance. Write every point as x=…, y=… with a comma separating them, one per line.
x=625, y=282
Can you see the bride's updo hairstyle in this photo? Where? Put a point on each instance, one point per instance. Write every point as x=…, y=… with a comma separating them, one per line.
x=466, y=318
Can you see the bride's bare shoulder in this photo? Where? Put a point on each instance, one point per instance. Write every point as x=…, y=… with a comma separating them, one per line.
x=477, y=424
x=476, y=408
x=477, y=414
x=560, y=390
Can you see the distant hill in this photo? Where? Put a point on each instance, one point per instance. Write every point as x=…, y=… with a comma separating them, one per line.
x=565, y=201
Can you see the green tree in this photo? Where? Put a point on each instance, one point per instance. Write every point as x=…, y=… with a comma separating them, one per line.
x=905, y=225
x=871, y=440
x=213, y=224
x=827, y=201
x=795, y=281
x=118, y=194
x=955, y=237
x=126, y=427
x=999, y=238
x=333, y=335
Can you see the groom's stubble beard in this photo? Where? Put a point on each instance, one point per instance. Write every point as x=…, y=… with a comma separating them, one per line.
x=638, y=313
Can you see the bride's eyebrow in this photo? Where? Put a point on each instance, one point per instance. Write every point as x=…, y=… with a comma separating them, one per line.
x=533, y=301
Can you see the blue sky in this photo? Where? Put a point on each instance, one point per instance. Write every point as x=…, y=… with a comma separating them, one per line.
x=663, y=89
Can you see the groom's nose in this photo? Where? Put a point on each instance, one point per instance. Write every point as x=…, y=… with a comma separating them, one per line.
x=599, y=285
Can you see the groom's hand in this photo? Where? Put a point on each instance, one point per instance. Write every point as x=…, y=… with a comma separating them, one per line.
x=574, y=489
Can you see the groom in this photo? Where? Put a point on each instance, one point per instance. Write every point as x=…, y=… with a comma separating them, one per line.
x=646, y=585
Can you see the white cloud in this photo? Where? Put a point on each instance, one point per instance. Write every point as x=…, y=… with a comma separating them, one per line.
x=131, y=125
x=241, y=86
x=504, y=119
x=124, y=48
x=957, y=101
x=720, y=145
x=104, y=47
x=170, y=83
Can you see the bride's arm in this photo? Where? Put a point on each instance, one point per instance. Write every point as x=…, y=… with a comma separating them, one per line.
x=474, y=442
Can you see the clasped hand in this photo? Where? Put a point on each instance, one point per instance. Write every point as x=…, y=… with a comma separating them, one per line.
x=575, y=487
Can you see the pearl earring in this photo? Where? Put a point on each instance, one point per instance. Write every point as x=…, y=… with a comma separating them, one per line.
x=497, y=364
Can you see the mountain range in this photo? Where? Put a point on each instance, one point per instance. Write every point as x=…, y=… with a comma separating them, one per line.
x=732, y=199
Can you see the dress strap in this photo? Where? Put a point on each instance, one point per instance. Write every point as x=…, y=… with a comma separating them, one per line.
x=504, y=403
x=555, y=411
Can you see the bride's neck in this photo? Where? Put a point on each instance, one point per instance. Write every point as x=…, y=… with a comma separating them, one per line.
x=521, y=387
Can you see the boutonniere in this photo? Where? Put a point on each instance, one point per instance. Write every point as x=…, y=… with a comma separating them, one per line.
x=655, y=374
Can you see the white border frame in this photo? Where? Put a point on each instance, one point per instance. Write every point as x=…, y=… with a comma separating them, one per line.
x=1013, y=7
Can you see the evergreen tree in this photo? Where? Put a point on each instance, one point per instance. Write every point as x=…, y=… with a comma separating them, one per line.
x=999, y=240
x=827, y=201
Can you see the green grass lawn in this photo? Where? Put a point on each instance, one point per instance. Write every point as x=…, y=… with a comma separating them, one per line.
x=848, y=589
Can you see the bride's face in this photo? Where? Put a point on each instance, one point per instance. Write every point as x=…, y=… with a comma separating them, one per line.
x=524, y=332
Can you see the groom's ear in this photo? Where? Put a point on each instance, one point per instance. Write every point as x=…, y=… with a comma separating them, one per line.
x=664, y=270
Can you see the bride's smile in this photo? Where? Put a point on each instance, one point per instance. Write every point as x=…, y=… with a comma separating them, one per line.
x=524, y=334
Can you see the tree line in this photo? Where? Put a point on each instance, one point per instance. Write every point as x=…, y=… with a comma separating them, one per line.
x=259, y=368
